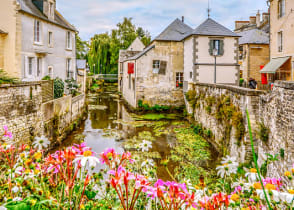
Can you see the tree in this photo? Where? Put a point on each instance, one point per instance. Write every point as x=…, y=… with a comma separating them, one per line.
x=104, y=48
x=81, y=48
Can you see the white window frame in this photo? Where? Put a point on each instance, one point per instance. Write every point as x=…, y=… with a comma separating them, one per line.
x=281, y=8
x=216, y=46
x=37, y=32
x=51, y=9
x=30, y=66
x=68, y=40
x=68, y=69
x=179, y=77
x=156, y=66
x=280, y=41
x=50, y=39
x=39, y=66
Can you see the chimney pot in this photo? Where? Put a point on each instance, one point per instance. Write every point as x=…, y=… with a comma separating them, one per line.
x=183, y=18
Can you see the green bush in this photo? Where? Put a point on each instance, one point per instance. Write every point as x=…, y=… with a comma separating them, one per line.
x=46, y=78
x=263, y=132
x=241, y=81
x=58, y=88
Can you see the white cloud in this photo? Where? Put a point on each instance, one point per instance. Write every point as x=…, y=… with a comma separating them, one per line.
x=98, y=16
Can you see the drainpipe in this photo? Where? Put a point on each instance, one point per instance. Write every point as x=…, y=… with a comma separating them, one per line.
x=135, y=86
x=269, y=22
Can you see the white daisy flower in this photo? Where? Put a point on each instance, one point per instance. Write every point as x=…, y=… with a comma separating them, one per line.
x=41, y=143
x=252, y=175
x=16, y=199
x=15, y=189
x=87, y=157
x=287, y=197
x=145, y=146
x=149, y=163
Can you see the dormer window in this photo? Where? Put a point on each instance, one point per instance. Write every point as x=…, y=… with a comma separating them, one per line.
x=51, y=10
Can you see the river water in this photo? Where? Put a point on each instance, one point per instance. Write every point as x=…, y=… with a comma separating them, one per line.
x=109, y=125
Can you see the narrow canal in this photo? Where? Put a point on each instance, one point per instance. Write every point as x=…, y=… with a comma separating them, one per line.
x=109, y=125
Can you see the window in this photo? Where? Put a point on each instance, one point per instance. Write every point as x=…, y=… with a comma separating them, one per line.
x=68, y=40
x=30, y=63
x=280, y=41
x=281, y=8
x=51, y=9
x=39, y=66
x=179, y=79
x=191, y=74
x=240, y=52
x=162, y=67
x=68, y=72
x=37, y=31
x=218, y=45
x=156, y=66
x=134, y=84
x=50, y=71
x=50, y=39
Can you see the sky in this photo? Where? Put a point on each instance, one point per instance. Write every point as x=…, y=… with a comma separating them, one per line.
x=98, y=16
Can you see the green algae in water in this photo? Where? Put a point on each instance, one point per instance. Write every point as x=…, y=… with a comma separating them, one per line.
x=156, y=117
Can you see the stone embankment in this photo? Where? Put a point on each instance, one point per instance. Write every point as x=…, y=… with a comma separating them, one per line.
x=29, y=110
x=222, y=109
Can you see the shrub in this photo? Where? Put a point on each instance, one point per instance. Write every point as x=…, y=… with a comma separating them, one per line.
x=58, y=88
x=241, y=81
x=263, y=132
x=46, y=78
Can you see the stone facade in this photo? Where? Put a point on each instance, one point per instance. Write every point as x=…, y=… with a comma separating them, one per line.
x=154, y=88
x=254, y=56
x=23, y=57
x=22, y=110
x=275, y=110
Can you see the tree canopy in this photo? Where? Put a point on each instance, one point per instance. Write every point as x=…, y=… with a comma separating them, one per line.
x=104, y=48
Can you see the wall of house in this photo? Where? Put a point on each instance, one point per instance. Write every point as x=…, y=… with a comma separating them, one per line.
x=284, y=24
x=22, y=110
x=227, y=64
x=188, y=59
x=256, y=55
x=156, y=88
x=54, y=55
x=222, y=109
x=10, y=22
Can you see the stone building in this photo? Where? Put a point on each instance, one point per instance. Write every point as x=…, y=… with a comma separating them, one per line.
x=36, y=40
x=81, y=74
x=281, y=65
x=210, y=41
x=254, y=22
x=253, y=53
x=155, y=75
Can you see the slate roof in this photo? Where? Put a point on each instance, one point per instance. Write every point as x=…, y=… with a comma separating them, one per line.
x=253, y=36
x=135, y=57
x=27, y=6
x=176, y=31
x=81, y=64
x=211, y=28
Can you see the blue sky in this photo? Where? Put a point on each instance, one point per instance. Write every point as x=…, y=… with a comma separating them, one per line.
x=98, y=16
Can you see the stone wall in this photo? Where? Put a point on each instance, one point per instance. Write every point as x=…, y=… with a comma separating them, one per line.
x=222, y=110
x=22, y=110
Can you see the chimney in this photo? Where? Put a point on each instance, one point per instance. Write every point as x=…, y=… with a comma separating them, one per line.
x=183, y=18
x=252, y=20
x=258, y=22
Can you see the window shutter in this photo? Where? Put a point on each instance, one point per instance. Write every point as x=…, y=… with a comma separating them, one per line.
x=221, y=49
x=210, y=50
x=162, y=68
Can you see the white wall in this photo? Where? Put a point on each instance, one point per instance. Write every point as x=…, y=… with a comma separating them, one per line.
x=224, y=74
x=54, y=56
x=188, y=59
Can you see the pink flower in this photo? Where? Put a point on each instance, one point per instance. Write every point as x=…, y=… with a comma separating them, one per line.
x=6, y=132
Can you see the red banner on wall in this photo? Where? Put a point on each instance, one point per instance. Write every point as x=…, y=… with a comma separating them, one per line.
x=131, y=67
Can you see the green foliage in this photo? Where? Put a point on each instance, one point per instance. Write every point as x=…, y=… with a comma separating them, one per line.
x=5, y=79
x=191, y=97
x=58, y=88
x=156, y=108
x=104, y=48
x=46, y=78
x=72, y=87
x=263, y=132
x=241, y=81
x=81, y=48
x=282, y=153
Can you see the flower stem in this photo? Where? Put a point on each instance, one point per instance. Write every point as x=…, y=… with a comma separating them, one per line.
x=255, y=160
